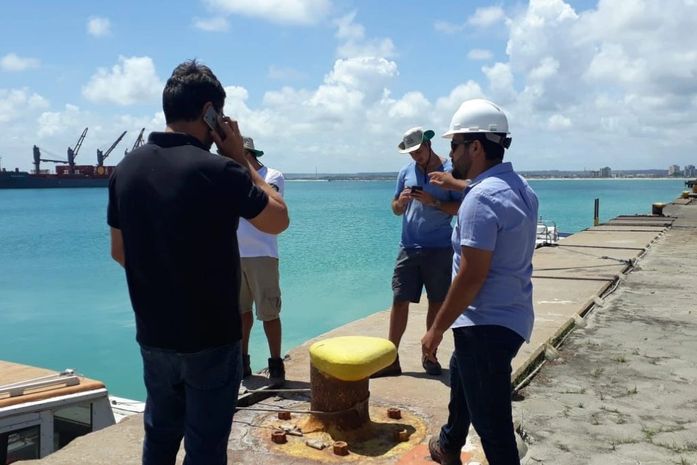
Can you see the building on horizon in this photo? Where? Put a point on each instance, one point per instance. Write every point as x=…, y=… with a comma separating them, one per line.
x=674, y=170
x=606, y=172
x=690, y=171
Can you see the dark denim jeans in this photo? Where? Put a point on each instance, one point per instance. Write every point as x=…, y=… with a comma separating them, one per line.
x=190, y=395
x=480, y=392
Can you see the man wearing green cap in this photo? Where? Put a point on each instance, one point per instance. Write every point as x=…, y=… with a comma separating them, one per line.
x=425, y=256
x=260, y=278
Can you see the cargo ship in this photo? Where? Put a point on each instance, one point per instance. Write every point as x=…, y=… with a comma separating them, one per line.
x=67, y=174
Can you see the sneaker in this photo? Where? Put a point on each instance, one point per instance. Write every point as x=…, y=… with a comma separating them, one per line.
x=431, y=367
x=277, y=371
x=441, y=456
x=394, y=369
x=246, y=366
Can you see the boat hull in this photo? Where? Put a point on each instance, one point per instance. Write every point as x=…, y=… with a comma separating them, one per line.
x=14, y=180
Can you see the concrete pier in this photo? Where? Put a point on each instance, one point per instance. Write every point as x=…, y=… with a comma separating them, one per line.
x=610, y=375
x=623, y=390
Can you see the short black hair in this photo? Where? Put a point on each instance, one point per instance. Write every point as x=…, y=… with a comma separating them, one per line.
x=493, y=151
x=188, y=89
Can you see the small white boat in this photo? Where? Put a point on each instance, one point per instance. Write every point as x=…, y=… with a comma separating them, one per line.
x=547, y=234
x=42, y=410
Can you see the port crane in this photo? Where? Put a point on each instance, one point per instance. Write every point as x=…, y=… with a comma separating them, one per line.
x=139, y=141
x=101, y=156
x=72, y=152
x=38, y=160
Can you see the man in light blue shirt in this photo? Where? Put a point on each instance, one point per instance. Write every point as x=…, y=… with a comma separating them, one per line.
x=425, y=257
x=489, y=303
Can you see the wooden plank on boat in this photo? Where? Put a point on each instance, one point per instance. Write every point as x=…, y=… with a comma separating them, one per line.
x=11, y=373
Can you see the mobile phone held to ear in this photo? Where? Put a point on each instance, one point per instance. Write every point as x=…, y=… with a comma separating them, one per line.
x=211, y=119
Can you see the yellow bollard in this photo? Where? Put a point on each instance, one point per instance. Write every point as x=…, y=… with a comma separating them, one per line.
x=657, y=208
x=340, y=369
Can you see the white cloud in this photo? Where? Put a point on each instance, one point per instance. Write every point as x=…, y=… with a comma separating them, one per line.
x=447, y=27
x=354, y=43
x=482, y=18
x=235, y=102
x=284, y=73
x=557, y=122
x=500, y=82
x=411, y=107
x=547, y=68
x=622, y=79
x=98, y=26
x=336, y=104
x=320, y=125
x=15, y=103
x=480, y=54
x=52, y=123
x=447, y=105
x=132, y=80
x=579, y=87
x=13, y=62
x=370, y=75
x=214, y=24
x=277, y=11
x=347, y=29
x=487, y=16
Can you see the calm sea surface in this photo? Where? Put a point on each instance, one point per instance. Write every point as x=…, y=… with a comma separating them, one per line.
x=64, y=302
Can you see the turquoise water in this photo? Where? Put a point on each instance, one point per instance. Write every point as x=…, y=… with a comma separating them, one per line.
x=64, y=302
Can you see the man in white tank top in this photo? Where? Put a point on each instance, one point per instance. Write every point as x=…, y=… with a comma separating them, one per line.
x=260, y=279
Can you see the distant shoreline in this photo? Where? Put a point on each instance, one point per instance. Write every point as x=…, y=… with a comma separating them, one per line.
x=384, y=177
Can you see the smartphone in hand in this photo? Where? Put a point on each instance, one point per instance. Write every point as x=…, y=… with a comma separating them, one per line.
x=211, y=119
x=416, y=188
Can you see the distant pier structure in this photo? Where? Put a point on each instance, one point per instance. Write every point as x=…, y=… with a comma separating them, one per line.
x=691, y=184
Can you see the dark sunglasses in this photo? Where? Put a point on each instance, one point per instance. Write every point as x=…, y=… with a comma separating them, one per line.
x=454, y=144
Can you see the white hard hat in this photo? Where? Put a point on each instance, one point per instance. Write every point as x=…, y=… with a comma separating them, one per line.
x=480, y=116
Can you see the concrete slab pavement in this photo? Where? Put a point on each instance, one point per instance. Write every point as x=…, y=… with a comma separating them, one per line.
x=624, y=388
x=568, y=280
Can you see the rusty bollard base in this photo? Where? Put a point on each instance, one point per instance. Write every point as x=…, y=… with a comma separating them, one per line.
x=382, y=439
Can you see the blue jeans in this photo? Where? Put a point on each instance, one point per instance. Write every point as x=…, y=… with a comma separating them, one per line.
x=191, y=396
x=480, y=392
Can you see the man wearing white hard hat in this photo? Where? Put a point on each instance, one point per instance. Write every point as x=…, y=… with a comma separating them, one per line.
x=260, y=285
x=489, y=305
x=425, y=256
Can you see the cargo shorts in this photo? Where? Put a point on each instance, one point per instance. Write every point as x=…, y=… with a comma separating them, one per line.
x=419, y=268
x=260, y=287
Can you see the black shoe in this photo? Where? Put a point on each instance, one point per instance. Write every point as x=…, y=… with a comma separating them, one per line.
x=441, y=456
x=246, y=366
x=277, y=371
x=431, y=367
x=394, y=369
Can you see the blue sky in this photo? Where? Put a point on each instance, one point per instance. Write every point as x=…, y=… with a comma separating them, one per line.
x=331, y=85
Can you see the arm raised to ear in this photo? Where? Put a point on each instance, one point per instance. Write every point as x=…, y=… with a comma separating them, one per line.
x=273, y=219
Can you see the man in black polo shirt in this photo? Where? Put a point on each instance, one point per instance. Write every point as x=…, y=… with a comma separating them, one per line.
x=173, y=211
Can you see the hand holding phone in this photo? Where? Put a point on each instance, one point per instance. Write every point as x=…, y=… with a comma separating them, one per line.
x=211, y=118
x=416, y=188
x=232, y=146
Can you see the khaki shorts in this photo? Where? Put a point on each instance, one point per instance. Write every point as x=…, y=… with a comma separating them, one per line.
x=260, y=286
